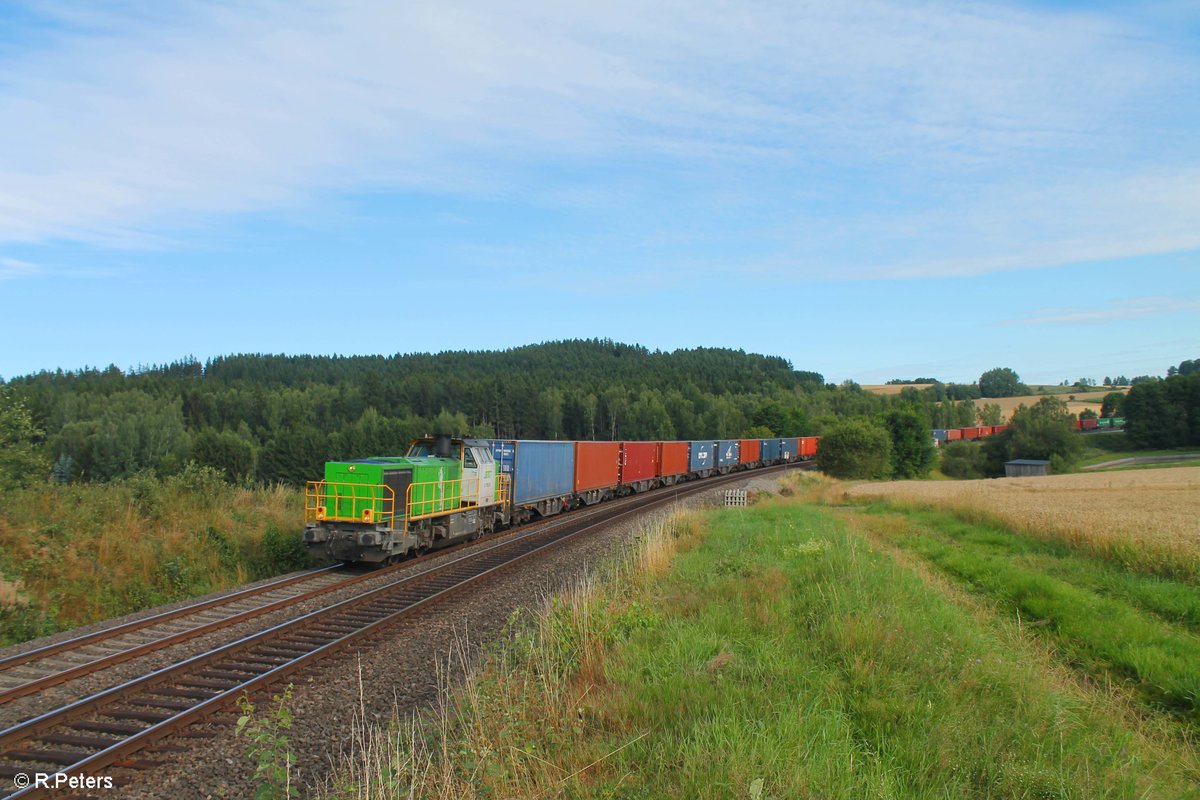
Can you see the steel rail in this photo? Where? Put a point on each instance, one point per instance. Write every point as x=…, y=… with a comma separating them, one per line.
x=34, y=685
x=485, y=557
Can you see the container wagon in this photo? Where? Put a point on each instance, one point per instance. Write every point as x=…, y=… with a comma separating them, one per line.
x=749, y=452
x=808, y=447
x=542, y=476
x=702, y=458
x=597, y=470
x=727, y=455
x=639, y=466
x=672, y=462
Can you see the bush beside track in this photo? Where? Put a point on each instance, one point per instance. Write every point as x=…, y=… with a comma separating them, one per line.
x=75, y=554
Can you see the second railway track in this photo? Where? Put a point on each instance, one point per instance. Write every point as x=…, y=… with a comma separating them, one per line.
x=112, y=726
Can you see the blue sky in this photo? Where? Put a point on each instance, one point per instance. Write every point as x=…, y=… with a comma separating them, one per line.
x=871, y=190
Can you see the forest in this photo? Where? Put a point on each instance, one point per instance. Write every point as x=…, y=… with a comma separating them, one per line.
x=264, y=419
x=274, y=418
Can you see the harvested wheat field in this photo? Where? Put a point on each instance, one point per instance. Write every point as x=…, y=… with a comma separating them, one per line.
x=1149, y=519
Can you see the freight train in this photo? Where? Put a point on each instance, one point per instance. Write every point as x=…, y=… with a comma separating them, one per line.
x=946, y=435
x=447, y=490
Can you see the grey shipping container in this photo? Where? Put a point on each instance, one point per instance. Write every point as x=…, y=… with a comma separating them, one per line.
x=727, y=453
x=542, y=470
x=789, y=448
x=939, y=434
x=772, y=449
x=701, y=456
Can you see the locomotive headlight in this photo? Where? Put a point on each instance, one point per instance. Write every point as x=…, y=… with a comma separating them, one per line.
x=366, y=539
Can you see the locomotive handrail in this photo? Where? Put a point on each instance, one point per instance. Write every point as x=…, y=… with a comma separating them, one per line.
x=439, y=498
x=323, y=501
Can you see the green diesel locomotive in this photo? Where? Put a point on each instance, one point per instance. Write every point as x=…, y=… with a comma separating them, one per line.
x=380, y=510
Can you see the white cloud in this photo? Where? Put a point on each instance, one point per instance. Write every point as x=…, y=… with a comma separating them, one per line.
x=932, y=129
x=1128, y=308
x=15, y=268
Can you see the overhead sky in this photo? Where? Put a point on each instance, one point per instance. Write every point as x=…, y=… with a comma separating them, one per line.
x=875, y=189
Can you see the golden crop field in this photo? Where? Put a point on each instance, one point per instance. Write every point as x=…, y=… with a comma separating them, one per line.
x=1147, y=518
x=1083, y=400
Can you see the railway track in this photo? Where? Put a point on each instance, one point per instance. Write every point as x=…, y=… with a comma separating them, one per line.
x=117, y=727
x=37, y=669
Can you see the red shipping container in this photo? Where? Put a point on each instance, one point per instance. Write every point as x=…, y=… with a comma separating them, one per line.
x=953, y=434
x=999, y=429
x=1089, y=424
x=672, y=458
x=749, y=451
x=596, y=465
x=971, y=432
x=808, y=446
x=639, y=461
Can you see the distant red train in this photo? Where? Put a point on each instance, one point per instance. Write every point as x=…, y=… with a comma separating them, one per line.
x=975, y=432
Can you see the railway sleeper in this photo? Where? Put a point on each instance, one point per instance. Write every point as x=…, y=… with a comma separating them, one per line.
x=203, y=683
x=171, y=705
x=92, y=742
x=100, y=726
x=286, y=655
x=255, y=660
x=141, y=716
x=195, y=694
x=46, y=756
x=230, y=678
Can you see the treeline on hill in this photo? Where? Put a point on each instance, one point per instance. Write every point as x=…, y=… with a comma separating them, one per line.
x=268, y=418
x=273, y=418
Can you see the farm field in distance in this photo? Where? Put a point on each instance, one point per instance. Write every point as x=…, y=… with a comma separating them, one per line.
x=1091, y=398
x=1146, y=518
x=835, y=643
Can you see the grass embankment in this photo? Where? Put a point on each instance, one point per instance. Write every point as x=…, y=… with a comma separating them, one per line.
x=775, y=652
x=74, y=554
x=1144, y=520
x=1102, y=447
x=1115, y=624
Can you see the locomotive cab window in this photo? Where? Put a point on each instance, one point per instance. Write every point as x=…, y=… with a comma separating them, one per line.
x=468, y=460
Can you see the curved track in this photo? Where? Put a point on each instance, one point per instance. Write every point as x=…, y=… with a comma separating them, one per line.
x=111, y=727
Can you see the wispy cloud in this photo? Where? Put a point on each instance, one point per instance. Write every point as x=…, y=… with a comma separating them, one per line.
x=15, y=268
x=875, y=139
x=1129, y=308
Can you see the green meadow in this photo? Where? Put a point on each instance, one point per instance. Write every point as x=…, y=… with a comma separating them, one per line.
x=794, y=650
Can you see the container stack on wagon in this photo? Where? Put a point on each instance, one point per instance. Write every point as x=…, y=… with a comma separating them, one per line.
x=672, y=461
x=542, y=472
x=727, y=454
x=597, y=470
x=749, y=451
x=702, y=458
x=639, y=465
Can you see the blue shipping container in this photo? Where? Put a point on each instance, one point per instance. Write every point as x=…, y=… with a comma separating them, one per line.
x=504, y=453
x=727, y=453
x=701, y=456
x=542, y=470
x=939, y=434
x=772, y=449
x=789, y=448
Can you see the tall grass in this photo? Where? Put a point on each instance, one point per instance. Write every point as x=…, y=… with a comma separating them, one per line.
x=764, y=653
x=1117, y=625
x=78, y=553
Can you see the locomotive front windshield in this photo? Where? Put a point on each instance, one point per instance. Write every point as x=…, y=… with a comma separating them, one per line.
x=429, y=449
